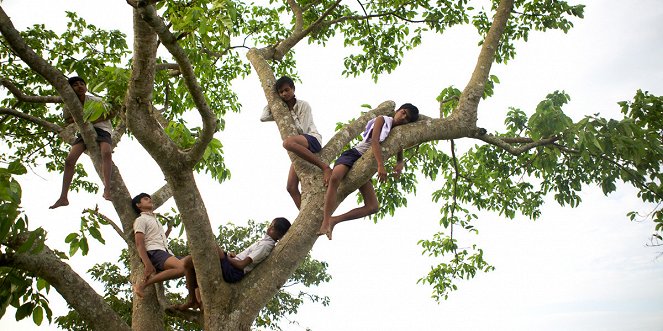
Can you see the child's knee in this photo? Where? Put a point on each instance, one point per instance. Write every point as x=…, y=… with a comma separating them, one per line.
x=289, y=144
x=292, y=188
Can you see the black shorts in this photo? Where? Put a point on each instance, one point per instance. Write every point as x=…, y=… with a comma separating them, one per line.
x=313, y=144
x=230, y=273
x=102, y=136
x=348, y=157
x=158, y=258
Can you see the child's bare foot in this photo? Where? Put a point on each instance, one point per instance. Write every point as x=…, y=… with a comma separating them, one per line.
x=327, y=228
x=61, y=202
x=138, y=289
x=107, y=195
x=326, y=174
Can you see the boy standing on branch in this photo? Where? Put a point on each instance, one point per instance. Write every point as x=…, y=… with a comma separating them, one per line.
x=103, y=127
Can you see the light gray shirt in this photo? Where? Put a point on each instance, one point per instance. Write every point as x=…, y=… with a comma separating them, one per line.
x=301, y=114
x=258, y=251
x=89, y=100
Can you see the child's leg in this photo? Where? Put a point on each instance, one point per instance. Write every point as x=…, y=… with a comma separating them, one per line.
x=172, y=268
x=293, y=186
x=340, y=170
x=106, y=167
x=68, y=174
x=191, y=284
x=299, y=145
x=371, y=206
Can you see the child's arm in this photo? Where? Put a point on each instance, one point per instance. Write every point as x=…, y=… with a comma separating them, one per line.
x=377, y=151
x=142, y=252
x=239, y=264
x=399, y=164
x=266, y=115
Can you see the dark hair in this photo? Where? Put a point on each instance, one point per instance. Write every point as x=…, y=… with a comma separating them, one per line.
x=74, y=79
x=282, y=81
x=136, y=200
x=281, y=225
x=412, y=112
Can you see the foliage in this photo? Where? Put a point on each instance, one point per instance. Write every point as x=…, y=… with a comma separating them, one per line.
x=593, y=150
x=19, y=288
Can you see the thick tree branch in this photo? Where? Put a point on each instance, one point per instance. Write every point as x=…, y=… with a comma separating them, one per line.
x=208, y=117
x=473, y=92
x=36, y=120
x=79, y=295
x=20, y=96
x=160, y=196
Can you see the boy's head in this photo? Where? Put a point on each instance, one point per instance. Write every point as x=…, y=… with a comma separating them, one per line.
x=78, y=85
x=285, y=87
x=74, y=79
x=142, y=202
x=407, y=113
x=278, y=228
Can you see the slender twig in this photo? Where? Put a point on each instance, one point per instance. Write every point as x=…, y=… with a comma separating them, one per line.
x=106, y=219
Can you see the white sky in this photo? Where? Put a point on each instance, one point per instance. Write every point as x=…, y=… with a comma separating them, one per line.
x=573, y=269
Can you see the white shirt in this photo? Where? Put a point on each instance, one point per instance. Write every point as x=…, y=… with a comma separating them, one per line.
x=258, y=251
x=155, y=237
x=365, y=144
x=301, y=114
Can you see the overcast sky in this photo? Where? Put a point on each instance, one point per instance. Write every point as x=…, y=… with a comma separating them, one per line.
x=573, y=269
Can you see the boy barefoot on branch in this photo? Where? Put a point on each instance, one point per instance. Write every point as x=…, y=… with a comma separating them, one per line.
x=376, y=131
x=103, y=127
x=235, y=266
x=306, y=143
x=160, y=264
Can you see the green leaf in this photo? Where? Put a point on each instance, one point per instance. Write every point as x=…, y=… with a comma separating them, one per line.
x=24, y=311
x=38, y=315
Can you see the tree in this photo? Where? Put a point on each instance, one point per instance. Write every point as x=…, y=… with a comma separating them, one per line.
x=553, y=153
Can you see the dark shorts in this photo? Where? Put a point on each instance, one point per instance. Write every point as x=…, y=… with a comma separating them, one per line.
x=348, y=157
x=230, y=273
x=158, y=258
x=102, y=136
x=313, y=144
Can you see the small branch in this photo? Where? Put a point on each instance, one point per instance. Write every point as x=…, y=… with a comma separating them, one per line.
x=299, y=20
x=108, y=220
x=641, y=184
x=19, y=95
x=455, y=194
x=36, y=120
x=164, y=66
x=505, y=145
x=286, y=45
